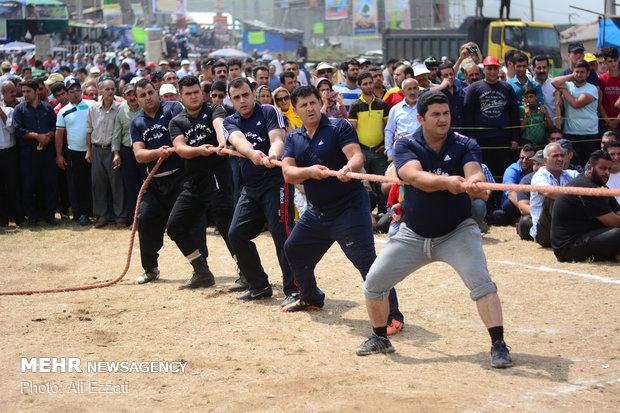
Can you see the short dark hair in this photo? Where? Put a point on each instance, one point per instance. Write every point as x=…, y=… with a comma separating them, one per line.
x=538, y=58
x=64, y=68
x=219, y=85
x=125, y=66
x=445, y=66
x=529, y=89
x=29, y=69
x=158, y=74
x=391, y=61
x=408, y=71
x=57, y=87
x=509, y=54
x=609, y=52
x=303, y=92
x=528, y=147
x=234, y=61
x=238, y=83
x=597, y=155
x=554, y=130
x=583, y=64
x=81, y=70
x=365, y=74
x=31, y=83
x=606, y=133
x=430, y=98
x=142, y=83
x=187, y=81
x=519, y=57
x=218, y=64
x=611, y=144
x=291, y=62
x=110, y=66
x=286, y=73
x=206, y=86
x=374, y=68
x=345, y=65
x=261, y=67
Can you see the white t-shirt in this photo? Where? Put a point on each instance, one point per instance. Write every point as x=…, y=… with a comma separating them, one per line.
x=614, y=183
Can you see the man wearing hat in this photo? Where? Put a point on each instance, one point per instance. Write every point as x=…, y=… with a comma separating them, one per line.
x=132, y=172
x=72, y=120
x=421, y=72
x=95, y=71
x=6, y=71
x=168, y=92
x=432, y=65
x=184, y=70
x=576, y=53
x=325, y=70
x=491, y=116
x=129, y=60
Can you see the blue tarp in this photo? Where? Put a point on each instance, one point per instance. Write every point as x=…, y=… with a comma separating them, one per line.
x=608, y=33
x=276, y=39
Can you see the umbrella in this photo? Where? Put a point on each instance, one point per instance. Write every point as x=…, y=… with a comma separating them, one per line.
x=17, y=47
x=228, y=53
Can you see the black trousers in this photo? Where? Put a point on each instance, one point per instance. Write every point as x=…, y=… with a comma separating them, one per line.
x=157, y=202
x=599, y=245
x=543, y=226
x=213, y=193
x=10, y=194
x=504, y=4
x=80, y=171
x=583, y=145
x=270, y=201
x=39, y=170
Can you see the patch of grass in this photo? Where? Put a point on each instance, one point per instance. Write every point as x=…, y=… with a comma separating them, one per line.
x=262, y=369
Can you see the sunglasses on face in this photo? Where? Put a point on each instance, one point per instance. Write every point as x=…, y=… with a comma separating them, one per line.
x=217, y=96
x=282, y=98
x=324, y=72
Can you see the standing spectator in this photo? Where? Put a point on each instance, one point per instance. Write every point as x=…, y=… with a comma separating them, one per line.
x=492, y=113
x=580, y=108
x=35, y=126
x=575, y=54
x=403, y=117
x=10, y=197
x=302, y=51
x=387, y=72
x=454, y=93
x=332, y=102
x=274, y=80
x=132, y=172
x=349, y=89
x=610, y=88
x=293, y=66
x=504, y=4
x=395, y=94
x=587, y=227
x=100, y=128
x=541, y=67
x=520, y=79
x=72, y=120
x=378, y=82
x=369, y=115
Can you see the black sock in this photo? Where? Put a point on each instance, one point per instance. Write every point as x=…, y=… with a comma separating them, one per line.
x=380, y=331
x=497, y=333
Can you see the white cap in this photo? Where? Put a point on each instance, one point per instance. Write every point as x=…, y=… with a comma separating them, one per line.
x=167, y=88
x=185, y=62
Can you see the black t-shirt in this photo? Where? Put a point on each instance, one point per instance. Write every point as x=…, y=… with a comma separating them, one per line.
x=575, y=215
x=127, y=77
x=199, y=131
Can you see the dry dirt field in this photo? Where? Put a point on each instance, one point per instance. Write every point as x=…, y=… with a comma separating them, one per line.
x=562, y=322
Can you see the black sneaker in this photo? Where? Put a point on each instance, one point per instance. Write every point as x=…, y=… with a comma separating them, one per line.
x=375, y=345
x=256, y=294
x=500, y=356
x=290, y=299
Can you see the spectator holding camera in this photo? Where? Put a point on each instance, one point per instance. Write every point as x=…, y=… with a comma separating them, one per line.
x=332, y=102
x=534, y=117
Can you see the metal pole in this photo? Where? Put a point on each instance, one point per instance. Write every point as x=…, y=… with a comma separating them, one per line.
x=532, y=10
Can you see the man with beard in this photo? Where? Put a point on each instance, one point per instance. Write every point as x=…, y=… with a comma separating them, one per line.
x=350, y=91
x=587, y=227
x=541, y=67
x=194, y=132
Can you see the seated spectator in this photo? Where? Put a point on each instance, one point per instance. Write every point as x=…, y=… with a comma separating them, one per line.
x=333, y=103
x=534, y=117
x=587, y=227
x=513, y=175
x=523, y=198
x=613, y=149
x=570, y=154
x=541, y=203
x=608, y=137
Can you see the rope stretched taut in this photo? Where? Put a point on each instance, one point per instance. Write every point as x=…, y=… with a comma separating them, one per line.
x=355, y=175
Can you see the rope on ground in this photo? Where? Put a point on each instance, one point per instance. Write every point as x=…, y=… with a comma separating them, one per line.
x=134, y=227
x=572, y=190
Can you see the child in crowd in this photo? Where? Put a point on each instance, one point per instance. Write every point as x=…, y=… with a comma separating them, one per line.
x=534, y=118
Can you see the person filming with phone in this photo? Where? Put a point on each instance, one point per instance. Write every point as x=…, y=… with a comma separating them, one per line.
x=534, y=118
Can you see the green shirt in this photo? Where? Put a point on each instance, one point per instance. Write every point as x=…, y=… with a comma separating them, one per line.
x=534, y=128
x=121, y=136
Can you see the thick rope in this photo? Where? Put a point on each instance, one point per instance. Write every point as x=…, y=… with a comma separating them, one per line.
x=134, y=227
x=572, y=190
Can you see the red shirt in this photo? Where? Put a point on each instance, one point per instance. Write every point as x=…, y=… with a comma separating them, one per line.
x=610, y=86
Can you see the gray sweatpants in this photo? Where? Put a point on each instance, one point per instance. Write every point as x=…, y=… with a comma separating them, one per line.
x=407, y=251
x=104, y=173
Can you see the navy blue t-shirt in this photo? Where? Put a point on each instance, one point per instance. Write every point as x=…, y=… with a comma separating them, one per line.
x=325, y=148
x=434, y=214
x=256, y=130
x=154, y=133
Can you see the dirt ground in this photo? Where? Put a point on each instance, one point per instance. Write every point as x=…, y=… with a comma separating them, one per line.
x=562, y=322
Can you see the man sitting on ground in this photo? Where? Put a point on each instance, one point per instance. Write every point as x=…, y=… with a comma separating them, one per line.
x=523, y=198
x=587, y=227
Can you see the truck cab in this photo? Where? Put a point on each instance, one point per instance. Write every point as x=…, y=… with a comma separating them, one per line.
x=531, y=38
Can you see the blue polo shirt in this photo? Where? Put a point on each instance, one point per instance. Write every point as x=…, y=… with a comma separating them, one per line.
x=256, y=128
x=325, y=148
x=73, y=118
x=434, y=214
x=154, y=133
